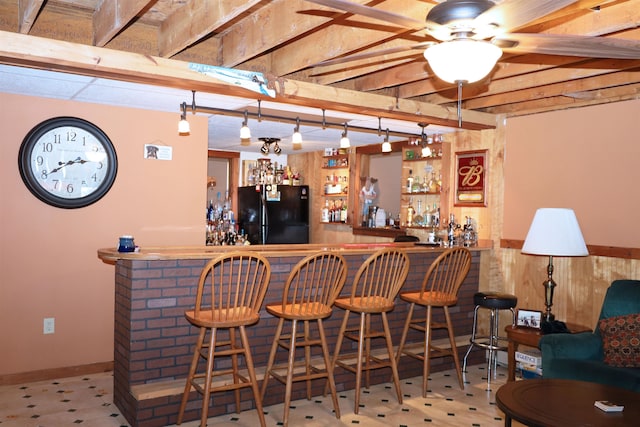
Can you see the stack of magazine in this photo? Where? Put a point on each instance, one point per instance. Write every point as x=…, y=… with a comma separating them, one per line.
x=529, y=363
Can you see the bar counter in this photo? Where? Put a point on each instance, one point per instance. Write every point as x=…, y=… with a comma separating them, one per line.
x=154, y=342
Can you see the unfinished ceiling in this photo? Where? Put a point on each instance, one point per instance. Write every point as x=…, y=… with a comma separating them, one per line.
x=287, y=39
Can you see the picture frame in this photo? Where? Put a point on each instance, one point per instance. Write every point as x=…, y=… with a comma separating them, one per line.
x=471, y=178
x=529, y=319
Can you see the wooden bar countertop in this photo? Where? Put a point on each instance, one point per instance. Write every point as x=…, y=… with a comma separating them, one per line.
x=111, y=255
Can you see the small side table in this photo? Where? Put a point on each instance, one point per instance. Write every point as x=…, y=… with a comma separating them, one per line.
x=530, y=337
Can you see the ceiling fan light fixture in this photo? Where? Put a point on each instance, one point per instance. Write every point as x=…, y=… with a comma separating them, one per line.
x=464, y=60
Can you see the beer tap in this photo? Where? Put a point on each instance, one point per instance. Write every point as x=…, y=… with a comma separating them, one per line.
x=469, y=233
x=451, y=229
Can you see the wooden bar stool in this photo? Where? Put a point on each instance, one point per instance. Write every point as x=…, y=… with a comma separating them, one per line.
x=374, y=289
x=309, y=293
x=230, y=292
x=439, y=289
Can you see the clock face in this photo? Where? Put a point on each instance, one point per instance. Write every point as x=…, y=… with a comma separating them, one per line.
x=67, y=162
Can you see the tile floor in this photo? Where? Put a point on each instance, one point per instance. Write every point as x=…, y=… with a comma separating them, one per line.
x=87, y=400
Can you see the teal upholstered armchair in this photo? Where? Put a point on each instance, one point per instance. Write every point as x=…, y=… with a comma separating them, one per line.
x=608, y=356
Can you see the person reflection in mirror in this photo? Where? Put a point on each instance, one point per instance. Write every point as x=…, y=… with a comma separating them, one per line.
x=368, y=194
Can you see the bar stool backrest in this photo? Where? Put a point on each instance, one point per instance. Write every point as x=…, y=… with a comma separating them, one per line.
x=314, y=283
x=446, y=274
x=380, y=277
x=232, y=286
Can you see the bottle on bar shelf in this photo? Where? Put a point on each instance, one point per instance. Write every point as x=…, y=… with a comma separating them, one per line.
x=410, y=212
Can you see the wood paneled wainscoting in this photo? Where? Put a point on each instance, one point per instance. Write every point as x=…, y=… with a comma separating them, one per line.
x=154, y=342
x=581, y=281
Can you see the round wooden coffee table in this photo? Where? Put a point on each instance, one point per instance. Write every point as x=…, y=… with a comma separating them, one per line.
x=562, y=403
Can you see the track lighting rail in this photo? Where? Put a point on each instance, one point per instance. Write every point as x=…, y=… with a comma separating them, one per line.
x=297, y=121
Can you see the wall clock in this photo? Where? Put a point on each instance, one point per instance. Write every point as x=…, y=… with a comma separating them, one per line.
x=67, y=162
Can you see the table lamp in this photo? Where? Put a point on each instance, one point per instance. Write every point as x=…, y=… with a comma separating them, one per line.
x=554, y=232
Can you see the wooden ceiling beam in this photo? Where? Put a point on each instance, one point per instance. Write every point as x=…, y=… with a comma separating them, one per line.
x=112, y=16
x=269, y=27
x=563, y=86
x=345, y=34
x=599, y=96
x=541, y=80
x=27, y=14
x=55, y=55
x=195, y=21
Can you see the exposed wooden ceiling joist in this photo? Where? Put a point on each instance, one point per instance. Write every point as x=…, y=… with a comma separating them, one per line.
x=288, y=38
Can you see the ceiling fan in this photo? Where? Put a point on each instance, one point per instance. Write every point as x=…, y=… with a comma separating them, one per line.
x=474, y=33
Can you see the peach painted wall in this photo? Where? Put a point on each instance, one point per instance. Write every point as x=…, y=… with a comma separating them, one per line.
x=585, y=159
x=48, y=261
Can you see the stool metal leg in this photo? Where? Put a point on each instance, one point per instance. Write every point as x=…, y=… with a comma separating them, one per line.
x=472, y=340
x=493, y=346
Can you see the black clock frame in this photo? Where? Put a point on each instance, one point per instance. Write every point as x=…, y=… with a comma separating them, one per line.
x=33, y=137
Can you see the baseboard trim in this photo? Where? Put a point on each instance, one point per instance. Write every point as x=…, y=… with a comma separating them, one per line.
x=50, y=374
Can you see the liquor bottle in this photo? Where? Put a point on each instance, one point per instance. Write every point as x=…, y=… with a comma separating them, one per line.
x=410, y=212
x=410, y=181
x=218, y=207
x=435, y=216
x=417, y=217
x=210, y=211
x=343, y=213
x=333, y=211
x=426, y=216
x=325, y=211
x=433, y=183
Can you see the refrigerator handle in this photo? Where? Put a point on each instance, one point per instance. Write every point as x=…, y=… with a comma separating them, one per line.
x=265, y=217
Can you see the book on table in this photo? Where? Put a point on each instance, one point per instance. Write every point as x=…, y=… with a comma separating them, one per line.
x=608, y=406
x=529, y=357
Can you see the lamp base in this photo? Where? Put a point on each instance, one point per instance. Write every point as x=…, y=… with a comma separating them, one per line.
x=549, y=286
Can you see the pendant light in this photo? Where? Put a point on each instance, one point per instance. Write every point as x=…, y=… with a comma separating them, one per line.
x=245, y=132
x=386, y=145
x=183, y=124
x=344, y=141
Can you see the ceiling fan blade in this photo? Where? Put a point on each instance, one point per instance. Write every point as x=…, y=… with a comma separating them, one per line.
x=366, y=55
x=371, y=12
x=569, y=45
x=512, y=14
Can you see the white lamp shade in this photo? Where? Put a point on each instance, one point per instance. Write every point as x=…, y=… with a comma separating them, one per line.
x=344, y=142
x=463, y=60
x=386, y=147
x=555, y=232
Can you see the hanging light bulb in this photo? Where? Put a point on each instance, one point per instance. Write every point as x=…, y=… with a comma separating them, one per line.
x=426, y=151
x=183, y=124
x=296, y=138
x=386, y=145
x=245, y=132
x=344, y=141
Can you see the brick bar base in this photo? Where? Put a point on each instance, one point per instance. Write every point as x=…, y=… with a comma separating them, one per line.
x=154, y=342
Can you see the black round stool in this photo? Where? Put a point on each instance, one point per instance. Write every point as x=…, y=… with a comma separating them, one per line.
x=494, y=302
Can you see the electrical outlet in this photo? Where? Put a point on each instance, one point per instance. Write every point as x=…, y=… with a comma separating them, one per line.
x=49, y=325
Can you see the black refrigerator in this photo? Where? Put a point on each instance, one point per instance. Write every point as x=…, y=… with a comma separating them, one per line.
x=271, y=214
